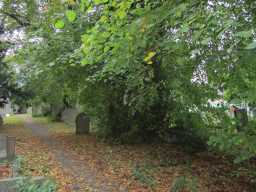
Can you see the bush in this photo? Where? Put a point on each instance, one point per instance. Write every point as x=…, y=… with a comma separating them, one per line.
x=29, y=186
x=183, y=183
x=144, y=174
x=240, y=144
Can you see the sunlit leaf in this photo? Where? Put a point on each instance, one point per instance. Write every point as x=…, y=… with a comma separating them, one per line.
x=71, y=15
x=59, y=24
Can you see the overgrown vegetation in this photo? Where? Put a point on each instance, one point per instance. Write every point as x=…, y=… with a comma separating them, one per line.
x=30, y=186
x=143, y=70
x=183, y=183
x=145, y=175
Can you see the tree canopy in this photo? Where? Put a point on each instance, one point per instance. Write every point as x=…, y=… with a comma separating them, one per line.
x=14, y=17
x=142, y=68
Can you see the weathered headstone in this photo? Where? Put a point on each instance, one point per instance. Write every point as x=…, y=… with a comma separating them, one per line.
x=242, y=118
x=7, y=147
x=11, y=142
x=1, y=121
x=3, y=147
x=82, y=124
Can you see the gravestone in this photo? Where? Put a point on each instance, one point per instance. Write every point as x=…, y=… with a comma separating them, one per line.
x=82, y=124
x=242, y=118
x=11, y=142
x=3, y=147
x=7, y=147
x=1, y=121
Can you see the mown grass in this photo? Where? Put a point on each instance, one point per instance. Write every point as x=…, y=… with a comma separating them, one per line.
x=60, y=127
x=41, y=120
x=14, y=120
x=54, y=127
x=14, y=125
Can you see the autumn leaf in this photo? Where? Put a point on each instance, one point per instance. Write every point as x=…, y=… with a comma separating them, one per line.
x=149, y=56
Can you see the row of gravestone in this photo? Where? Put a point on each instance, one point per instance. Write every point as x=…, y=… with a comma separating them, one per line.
x=71, y=116
x=83, y=121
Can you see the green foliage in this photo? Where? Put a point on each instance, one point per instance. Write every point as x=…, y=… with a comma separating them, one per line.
x=251, y=45
x=71, y=15
x=181, y=183
x=59, y=24
x=18, y=165
x=30, y=186
x=240, y=144
x=142, y=69
x=144, y=174
x=12, y=20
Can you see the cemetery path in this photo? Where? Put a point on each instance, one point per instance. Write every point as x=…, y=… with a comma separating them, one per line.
x=85, y=178
x=83, y=163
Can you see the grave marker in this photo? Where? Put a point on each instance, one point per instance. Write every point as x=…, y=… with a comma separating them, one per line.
x=7, y=147
x=82, y=124
x=1, y=121
x=241, y=117
x=3, y=147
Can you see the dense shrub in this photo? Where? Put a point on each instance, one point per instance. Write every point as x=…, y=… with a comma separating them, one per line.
x=30, y=186
x=145, y=70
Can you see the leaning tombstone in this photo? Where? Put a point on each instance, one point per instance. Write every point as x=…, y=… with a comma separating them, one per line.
x=3, y=147
x=82, y=124
x=11, y=141
x=242, y=118
x=7, y=148
x=1, y=121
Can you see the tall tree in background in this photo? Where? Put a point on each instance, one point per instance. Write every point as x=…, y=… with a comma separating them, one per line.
x=141, y=69
x=14, y=18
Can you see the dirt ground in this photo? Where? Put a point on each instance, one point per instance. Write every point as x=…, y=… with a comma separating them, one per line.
x=83, y=163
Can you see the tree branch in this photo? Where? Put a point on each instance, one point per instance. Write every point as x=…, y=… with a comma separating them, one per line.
x=21, y=21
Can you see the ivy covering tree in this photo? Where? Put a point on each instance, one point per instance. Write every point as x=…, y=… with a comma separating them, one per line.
x=145, y=70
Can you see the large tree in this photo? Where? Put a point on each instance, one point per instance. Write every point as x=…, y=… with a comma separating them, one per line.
x=14, y=18
x=144, y=68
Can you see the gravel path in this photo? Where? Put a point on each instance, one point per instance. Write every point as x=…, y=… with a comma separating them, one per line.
x=82, y=173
